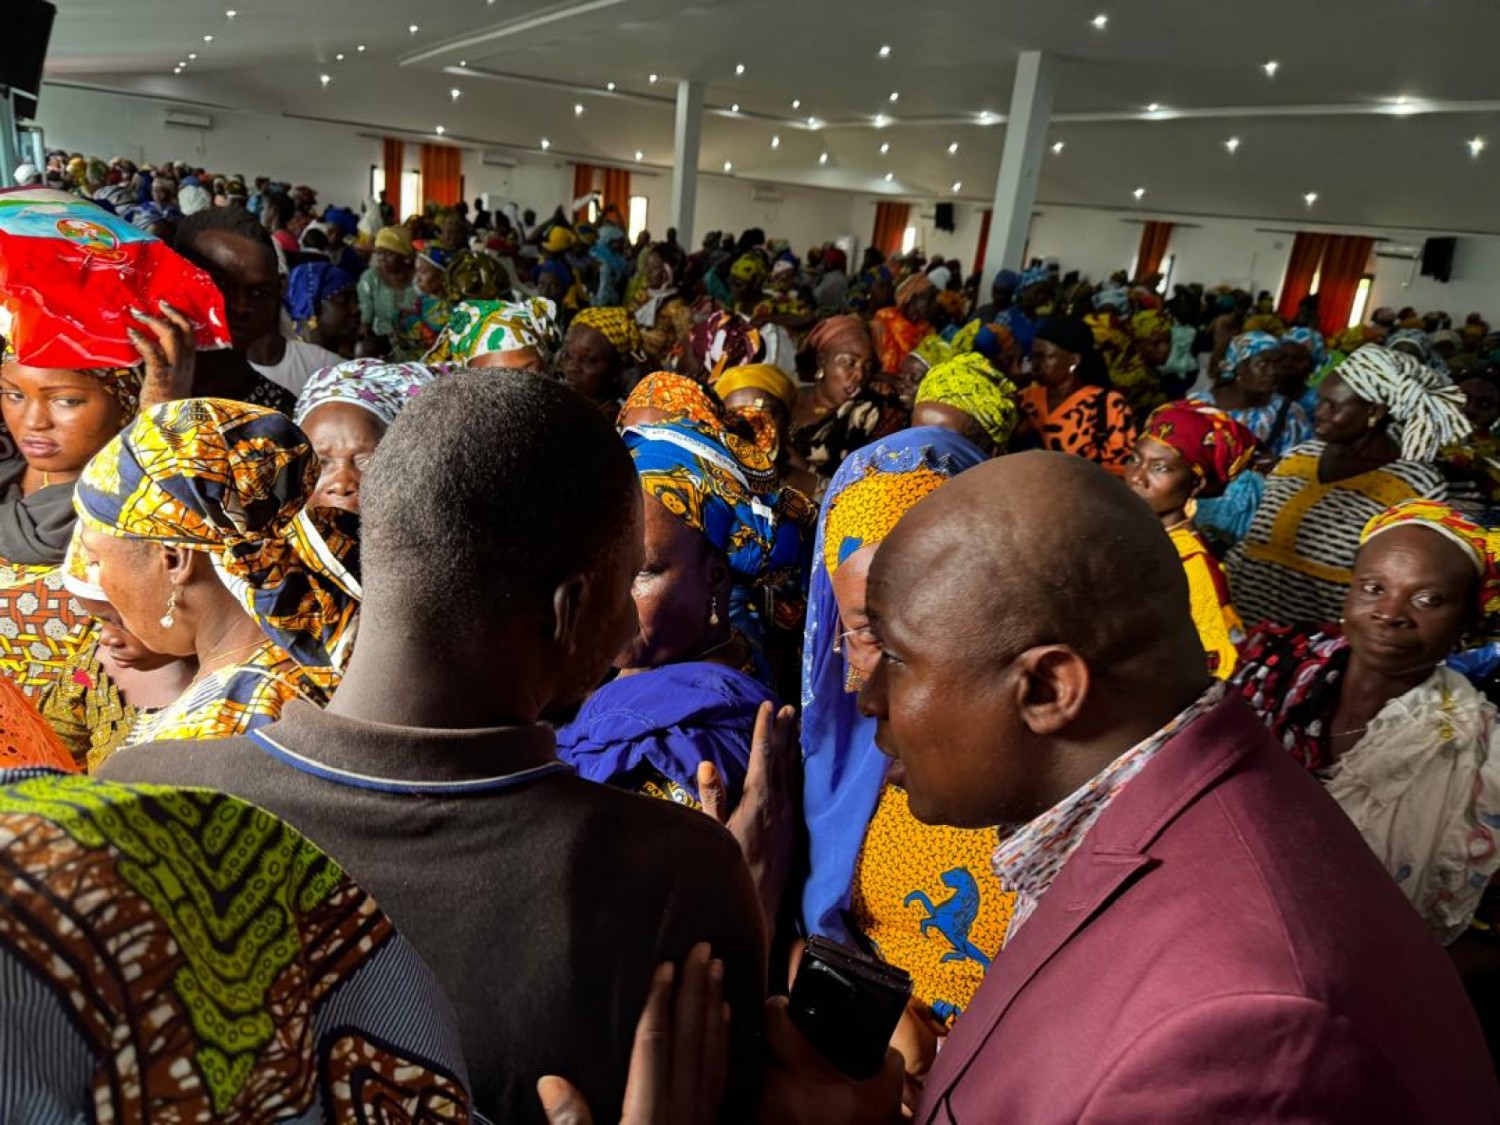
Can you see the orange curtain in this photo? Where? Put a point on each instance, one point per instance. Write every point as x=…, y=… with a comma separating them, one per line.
x=442, y=176
x=890, y=225
x=583, y=183
x=1154, y=238
x=1301, y=267
x=394, y=155
x=984, y=244
x=1343, y=267
x=617, y=194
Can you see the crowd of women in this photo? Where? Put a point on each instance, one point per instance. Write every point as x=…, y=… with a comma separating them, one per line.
x=179, y=558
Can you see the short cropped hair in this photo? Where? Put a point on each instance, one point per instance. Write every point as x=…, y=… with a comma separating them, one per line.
x=231, y=220
x=489, y=489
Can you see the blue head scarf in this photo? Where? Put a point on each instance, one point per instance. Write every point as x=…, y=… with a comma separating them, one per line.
x=843, y=771
x=1244, y=347
x=1309, y=338
x=308, y=286
x=1036, y=275
x=1008, y=279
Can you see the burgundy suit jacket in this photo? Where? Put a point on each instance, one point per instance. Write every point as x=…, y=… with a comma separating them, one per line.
x=1223, y=947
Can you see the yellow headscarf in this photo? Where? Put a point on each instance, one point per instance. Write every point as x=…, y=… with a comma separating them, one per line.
x=869, y=510
x=760, y=377
x=616, y=325
x=969, y=383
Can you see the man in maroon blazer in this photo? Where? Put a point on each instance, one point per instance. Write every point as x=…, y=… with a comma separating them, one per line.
x=1201, y=935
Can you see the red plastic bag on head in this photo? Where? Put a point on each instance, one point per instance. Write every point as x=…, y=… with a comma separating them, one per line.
x=70, y=274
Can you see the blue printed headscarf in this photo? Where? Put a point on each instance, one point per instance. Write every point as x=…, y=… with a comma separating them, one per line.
x=842, y=770
x=1309, y=338
x=726, y=490
x=309, y=285
x=1245, y=347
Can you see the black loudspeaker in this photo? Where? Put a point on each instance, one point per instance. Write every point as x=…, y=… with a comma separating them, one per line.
x=1437, y=258
x=28, y=30
x=943, y=217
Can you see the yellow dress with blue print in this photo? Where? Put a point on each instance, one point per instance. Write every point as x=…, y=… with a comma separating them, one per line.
x=926, y=897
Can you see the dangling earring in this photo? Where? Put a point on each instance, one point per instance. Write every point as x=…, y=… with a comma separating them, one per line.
x=819, y=376
x=1190, y=509
x=167, y=620
x=1372, y=423
x=713, y=610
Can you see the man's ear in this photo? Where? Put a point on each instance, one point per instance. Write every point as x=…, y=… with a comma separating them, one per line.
x=1054, y=685
x=567, y=611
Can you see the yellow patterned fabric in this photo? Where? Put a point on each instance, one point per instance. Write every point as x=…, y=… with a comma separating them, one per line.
x=927, y=898
x=616, y=325
x=41, y=626
x=86, y=710
x=969, y=382
x=869, y=509
x=232, y=700
x=1481, y=544
x=1218, y=625
x=231, y=479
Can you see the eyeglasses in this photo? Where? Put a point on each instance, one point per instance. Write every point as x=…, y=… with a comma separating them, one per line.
x=864, y=633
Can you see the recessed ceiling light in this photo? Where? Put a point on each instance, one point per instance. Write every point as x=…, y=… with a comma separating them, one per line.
x=325, y=78
x=734, y=108
x=883, y=53
x=885, y=148
x=412, y=29
x=610, y=86
x=208, y=39
x=639, y=156
x=1271, y=67
x=796, y=103
x=728, y=166
x=439, y=130
x=1404, y=106
x=1476, y=145
x=953, y=149
x=823, y=158
x=986, y=117
x=895, y=95
x=1310, y=198
x=545, y=144
x=775, y=141
x=1140, y=191
x=578, y=110
x=1153, y=107
x=339, y=57
x=889, y=176
x=1100, y=22
x=177, y=70
x=881, y=121
x=739, y=69
x=463, y=62
x=958, y=186
x=651, y=78
x=230, y=14
x=192, y=55
x=814, y=123
x=1232, y=144
x=455, y=93
x=1057, y=147
x=180, y=63
x=361, y=48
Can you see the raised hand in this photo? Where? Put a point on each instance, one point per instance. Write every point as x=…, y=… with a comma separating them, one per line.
x=169, y=349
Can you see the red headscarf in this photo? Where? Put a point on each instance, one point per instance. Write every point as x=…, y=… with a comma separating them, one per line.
x=1215, y=446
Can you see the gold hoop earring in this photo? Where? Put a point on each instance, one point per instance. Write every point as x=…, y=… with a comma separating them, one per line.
x=713, y=610
x=167, y=620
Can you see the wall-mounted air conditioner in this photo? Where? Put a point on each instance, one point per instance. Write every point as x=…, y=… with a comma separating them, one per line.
x=1400, y=250
x=496, y=160
x=183, y=119
x=763, y=194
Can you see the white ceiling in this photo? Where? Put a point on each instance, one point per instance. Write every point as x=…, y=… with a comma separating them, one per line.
x=1328, y=122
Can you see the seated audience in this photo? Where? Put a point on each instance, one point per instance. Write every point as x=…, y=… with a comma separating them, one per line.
x=1071, y=408
x=968, y=396
x=601, y=346
x=419, y=761
x=511, y=334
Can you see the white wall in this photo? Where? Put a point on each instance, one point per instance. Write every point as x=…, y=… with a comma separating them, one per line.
x=1474, y=286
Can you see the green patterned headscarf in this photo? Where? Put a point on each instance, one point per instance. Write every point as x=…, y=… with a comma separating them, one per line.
x=477, y=328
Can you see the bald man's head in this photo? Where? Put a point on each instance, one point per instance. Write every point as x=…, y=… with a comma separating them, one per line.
x=1032, y=602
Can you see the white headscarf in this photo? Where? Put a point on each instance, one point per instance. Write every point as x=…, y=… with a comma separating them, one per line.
x=1425, y=404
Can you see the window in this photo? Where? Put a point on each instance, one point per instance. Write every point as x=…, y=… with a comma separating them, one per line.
x=411, y=191
x=909, y=240
x=1168, y=265
x=639, y=206
x=1361, y=299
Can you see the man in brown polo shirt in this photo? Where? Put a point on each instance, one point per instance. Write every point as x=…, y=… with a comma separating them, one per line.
x=502, y=531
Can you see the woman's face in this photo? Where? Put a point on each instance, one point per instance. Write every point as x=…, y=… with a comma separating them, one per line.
x=549, y=285
x=657, y=273
x=921, y=307
x=1055, y=366
x=1160, y=475
x=124, y=647
x=343, y=436
x=1155, y=350
x=909, y=378
x=394, y=269
x=590, y=364
x=58, y=418
x=682, y=583
x=338, y=314
x=845, y=369
x=856, y=640
x=429, y=277
x=1258, y=374
x=133, y=576
x=1411, y=598
x=1341, y=416
x=1481, y=403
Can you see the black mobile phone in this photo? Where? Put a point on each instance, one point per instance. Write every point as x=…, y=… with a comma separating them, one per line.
x=848, y=1005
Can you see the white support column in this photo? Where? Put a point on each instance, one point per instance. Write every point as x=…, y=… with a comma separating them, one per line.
x=686, y=137
x=1020, y=162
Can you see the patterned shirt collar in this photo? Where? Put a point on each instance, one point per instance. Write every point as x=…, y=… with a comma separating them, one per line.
x=1029, y=858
